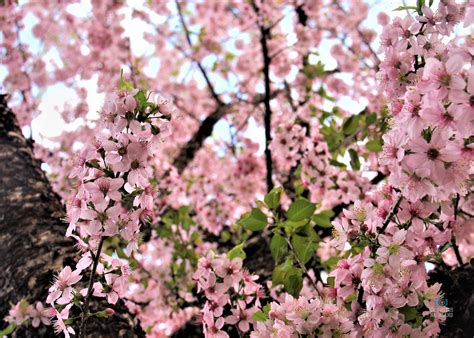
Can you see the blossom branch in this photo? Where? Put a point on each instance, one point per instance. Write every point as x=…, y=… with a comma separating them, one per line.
x=389, y=217
x=85, y=307
x=264, y=37
x=453, y=239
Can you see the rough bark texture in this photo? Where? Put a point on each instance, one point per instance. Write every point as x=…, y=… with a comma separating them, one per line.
x=33, y=246
x=458, y=288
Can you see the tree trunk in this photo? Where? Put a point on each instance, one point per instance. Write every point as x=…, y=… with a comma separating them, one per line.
x=458, y=289
x=33, y=246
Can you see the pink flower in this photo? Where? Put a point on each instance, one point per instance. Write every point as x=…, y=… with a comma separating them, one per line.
x=416, y=212
x=392, y=152
x=230, y=270
x=105, y=187
x=59, y=325
x=213, y=329
x=306, y=315
x=117, y=152
x=84, y=262
x=64, y=280
x=112, y=290
x=454, y=117
x=442, y=77
x=431, y=156
x=415, y=183
x=136, y=164
x=212, y=289
x=40, y=314
x=339, y=234
x=241, y=315
x=410, y=117
x=204, y=266
x=19, y=312
x=110, y=116
x=216, y=306
x=250, y=286
x=392, y=251
x=373, y=277
x=102, y=216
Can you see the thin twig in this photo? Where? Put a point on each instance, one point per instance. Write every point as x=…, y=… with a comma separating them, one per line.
x=453, y=239
x=302, y=266
x=201, y=68
x=85, y=308
x=264, y=37
x=390, y=215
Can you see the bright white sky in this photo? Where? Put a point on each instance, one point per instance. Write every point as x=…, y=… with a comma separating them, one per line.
x=49, y=123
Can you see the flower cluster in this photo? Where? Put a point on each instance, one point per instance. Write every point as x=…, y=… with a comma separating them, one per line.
x=428, y=152
x=232, y=295
x=113, y=199
x=304, y=317
x=381, y=287
x=159, y=299
x=328, y=184
x=430, y=84
x=288, y=145
x=429, y=80
x=389, y=276
x=23, y=311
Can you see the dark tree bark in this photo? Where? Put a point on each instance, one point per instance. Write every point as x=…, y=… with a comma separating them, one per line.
x=458, y=289
x=33, y=246
x=190, y=149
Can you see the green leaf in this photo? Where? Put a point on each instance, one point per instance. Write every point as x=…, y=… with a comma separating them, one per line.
x=304, y=248
x=280, y=271
x=352, y=297
x=140, y=97
x=183, y=217
x=427, y=134
x=355, y=162
x=402, y=8
x=374, y=145
x=237, y=251
x=100, y=314
x=294, y=225
x=371, y=119
x=124, y=84
x=445, y=247
x=255, y=221
x=294, y=282
x=337, y=163
x=308, y=231
x=350, y=125
x=410, y=313
x=9, y=329
x=313, y=71
x=331, y=263
x=419, y=6
x=273, y=197
x=225, y=235
x=300, y=210
x=331, y=281
x=278, y=247
x=259, y=316
x=288, y=275
x=323, y=219
x=229, y=56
